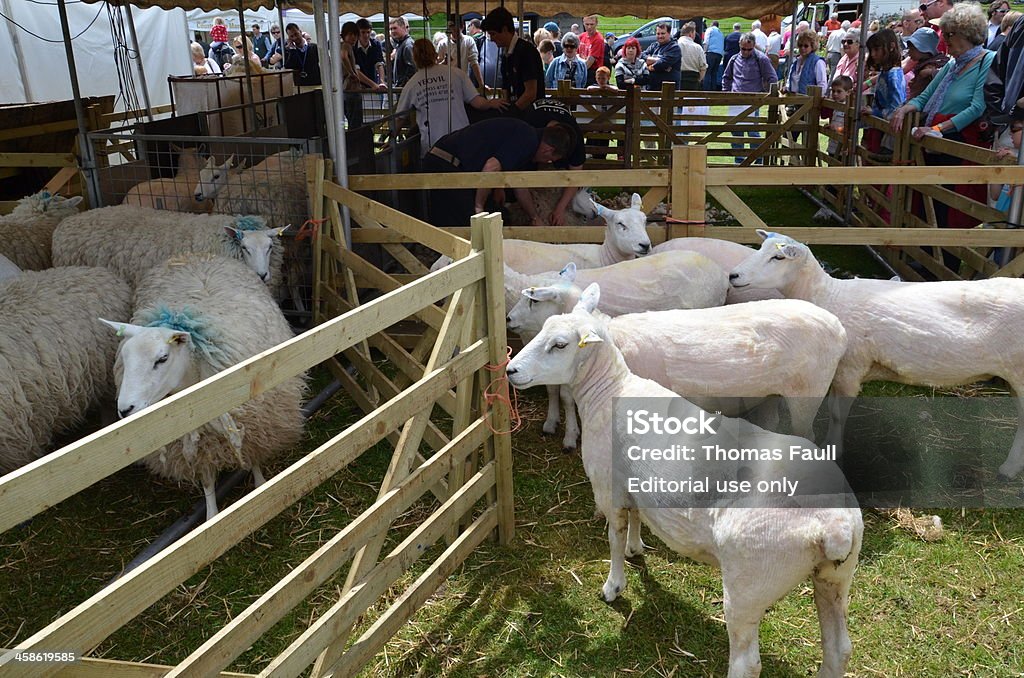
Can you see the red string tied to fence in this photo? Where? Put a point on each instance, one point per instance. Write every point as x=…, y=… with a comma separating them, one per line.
x=308, y=229
x=498, y=391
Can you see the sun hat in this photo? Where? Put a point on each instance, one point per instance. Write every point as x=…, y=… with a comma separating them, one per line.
x=925, y=40
x=219, y=33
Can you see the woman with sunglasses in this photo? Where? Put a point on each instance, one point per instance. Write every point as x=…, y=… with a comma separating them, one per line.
x=851, y=50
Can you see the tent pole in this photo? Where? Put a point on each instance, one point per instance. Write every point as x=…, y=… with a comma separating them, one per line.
x=858, y=105
x=87, y=160
x=390, y=74
x=13, y=30
x=247, y=47
x=340, y=153
x=138, y=61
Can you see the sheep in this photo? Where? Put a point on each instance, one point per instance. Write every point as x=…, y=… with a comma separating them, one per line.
x=924, y=333
x=763, y=552
x=625, y=238
x=55, y=358
x=173, y=193
x=725, y=359
x=26, y=233
x=726, y=254
x=8, y=269
x=194, y=317
x=544, y=200
x=130, y=240
x=666, y=281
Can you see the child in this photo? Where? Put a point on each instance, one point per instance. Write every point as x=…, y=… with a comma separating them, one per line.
x=603, y=77
x=839, y=92
x=890, y=84
x=1008, y=147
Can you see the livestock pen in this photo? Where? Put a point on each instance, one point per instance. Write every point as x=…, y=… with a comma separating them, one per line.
x=445, y=402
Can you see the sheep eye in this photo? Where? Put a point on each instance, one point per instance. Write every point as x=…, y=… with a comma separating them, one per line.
x=160, y=361
x=778, y=257
x=560, y=345
x=216, y=176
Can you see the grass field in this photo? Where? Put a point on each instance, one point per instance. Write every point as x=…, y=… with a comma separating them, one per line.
x=919, y=609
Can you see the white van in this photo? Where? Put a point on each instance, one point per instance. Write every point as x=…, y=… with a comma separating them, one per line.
x=818, y=13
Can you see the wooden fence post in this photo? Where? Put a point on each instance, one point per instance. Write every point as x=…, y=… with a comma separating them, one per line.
x=813, y=122
x=635, y=126
x=689, y=174
x=668, y=92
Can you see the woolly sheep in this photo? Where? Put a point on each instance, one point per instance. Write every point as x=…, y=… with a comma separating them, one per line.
x=195, y=317
x=625, y=238
x=724, y=359
x=26, y=233
x=130, y=240
x=8, y=269
x=55, y=357
x=926, y=333
x=544, y=200
x=173, y=193
x=726, y=254
x=763, y=552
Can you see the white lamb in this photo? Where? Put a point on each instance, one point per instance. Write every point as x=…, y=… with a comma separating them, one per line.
x=26, y=233
x=625, y=238
x=666, y=281
x=130, y=240
x=726, y=254
x=763, y=552
x=8, y=269
x=725, y=359
x=926, y=333
x=55, y=358
x=195, y=317
x=175, y=193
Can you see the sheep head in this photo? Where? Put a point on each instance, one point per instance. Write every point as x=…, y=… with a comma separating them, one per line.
x=152, y=363
x=213, y=178
x=562, y=346
x=44, y=202
x=537, y=304
x=774, y=266
x=627, y=229
x=256, y=247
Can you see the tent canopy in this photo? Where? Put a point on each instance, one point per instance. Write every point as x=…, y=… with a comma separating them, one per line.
x=652, y=8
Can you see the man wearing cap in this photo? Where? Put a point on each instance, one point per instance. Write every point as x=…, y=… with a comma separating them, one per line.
x=549, y=113
x=302, y=57
x=522, y=69
x=925, y=60
x=556, y=36
x=496, y=145
x=591, y=47
x=714, y=52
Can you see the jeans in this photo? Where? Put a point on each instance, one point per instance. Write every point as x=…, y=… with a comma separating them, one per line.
x=735, y=110
x=713, y=76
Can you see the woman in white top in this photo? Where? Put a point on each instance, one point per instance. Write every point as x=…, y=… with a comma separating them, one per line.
x=438, y=93
x=202, y=64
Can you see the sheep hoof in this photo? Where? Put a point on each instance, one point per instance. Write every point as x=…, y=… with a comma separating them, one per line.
x=549, y=429
x=610, y=592
x=569, y=449
x=635, y=552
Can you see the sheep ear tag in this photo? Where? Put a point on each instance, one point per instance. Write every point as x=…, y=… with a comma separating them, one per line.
x=178, y=338
x=590, y=337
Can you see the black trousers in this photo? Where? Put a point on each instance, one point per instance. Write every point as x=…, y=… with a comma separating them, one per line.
x=689, y=81
x=447, y=206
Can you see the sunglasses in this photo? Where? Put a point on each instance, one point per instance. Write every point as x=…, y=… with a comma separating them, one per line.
x=924, y=6
x=849, y=42
x=565, y=46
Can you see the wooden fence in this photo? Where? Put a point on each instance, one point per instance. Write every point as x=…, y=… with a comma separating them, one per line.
x=470, y=471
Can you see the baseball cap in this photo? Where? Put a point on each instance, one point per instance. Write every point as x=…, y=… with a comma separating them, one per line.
x=551, y=26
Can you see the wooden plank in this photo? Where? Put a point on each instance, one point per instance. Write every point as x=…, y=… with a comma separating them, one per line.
x=38, y=160
x=633, y=177
x=488, y=235
x=772, y=138
x=815, y=176
x=95, y=619
x=652, y=198
x=41, y=484
x=736, y=207
x=420, y=231
x=977, y=210
x=414, y=597
x=46, y=128
x=61, y=179
x=400, y=254
x=336, y=622
x=956, y=237
x=242, y=631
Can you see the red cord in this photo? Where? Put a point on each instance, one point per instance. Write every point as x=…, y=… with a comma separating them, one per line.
x=501, y=394
x=308, y=229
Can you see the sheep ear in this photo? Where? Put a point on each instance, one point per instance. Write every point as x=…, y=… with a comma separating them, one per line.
x=242, y=165
x=589, y=298
x=230, y=161
x=210, y=163
x=235, y=233
x=540, y=293
x=179, y=339
x=636, y=202
x=568, y=273
x=122, y=329
x=588, y=337
x=73, y=202
x=176, y=148
x=791, y=251
x=764, y=234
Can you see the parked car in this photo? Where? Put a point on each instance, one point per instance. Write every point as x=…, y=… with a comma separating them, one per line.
x=645, y=34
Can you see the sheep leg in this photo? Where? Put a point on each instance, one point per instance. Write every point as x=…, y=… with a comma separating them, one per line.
x=257, y=476
x=551, y=422
x=572, y=425
x=634, y=540
x=616, y=583
x=832, y=598
x=1014, y=463
x=742, y=623
x=845, y=388
x=225, y=425
x=209, y=489
x=801, y=415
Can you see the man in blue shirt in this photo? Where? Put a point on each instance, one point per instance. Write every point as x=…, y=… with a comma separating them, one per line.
x=369, y=53
x=496, y=145
x=731, y=42
x=714, y=47
x=662, y=58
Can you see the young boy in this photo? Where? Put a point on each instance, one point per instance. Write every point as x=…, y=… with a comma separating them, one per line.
x=839, y=92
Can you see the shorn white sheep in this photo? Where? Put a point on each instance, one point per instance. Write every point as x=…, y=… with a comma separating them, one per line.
x=26, y=233
x=726, y=254
x=724, y=359
x=195, y=317
x=175, y=193
x=925, y=333
x=625, y=238
x=131, y=240
x=55, y=357
x=8, y=269
x=763, y=553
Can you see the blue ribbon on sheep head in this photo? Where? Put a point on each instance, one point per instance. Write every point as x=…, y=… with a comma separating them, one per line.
x=204, y=337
